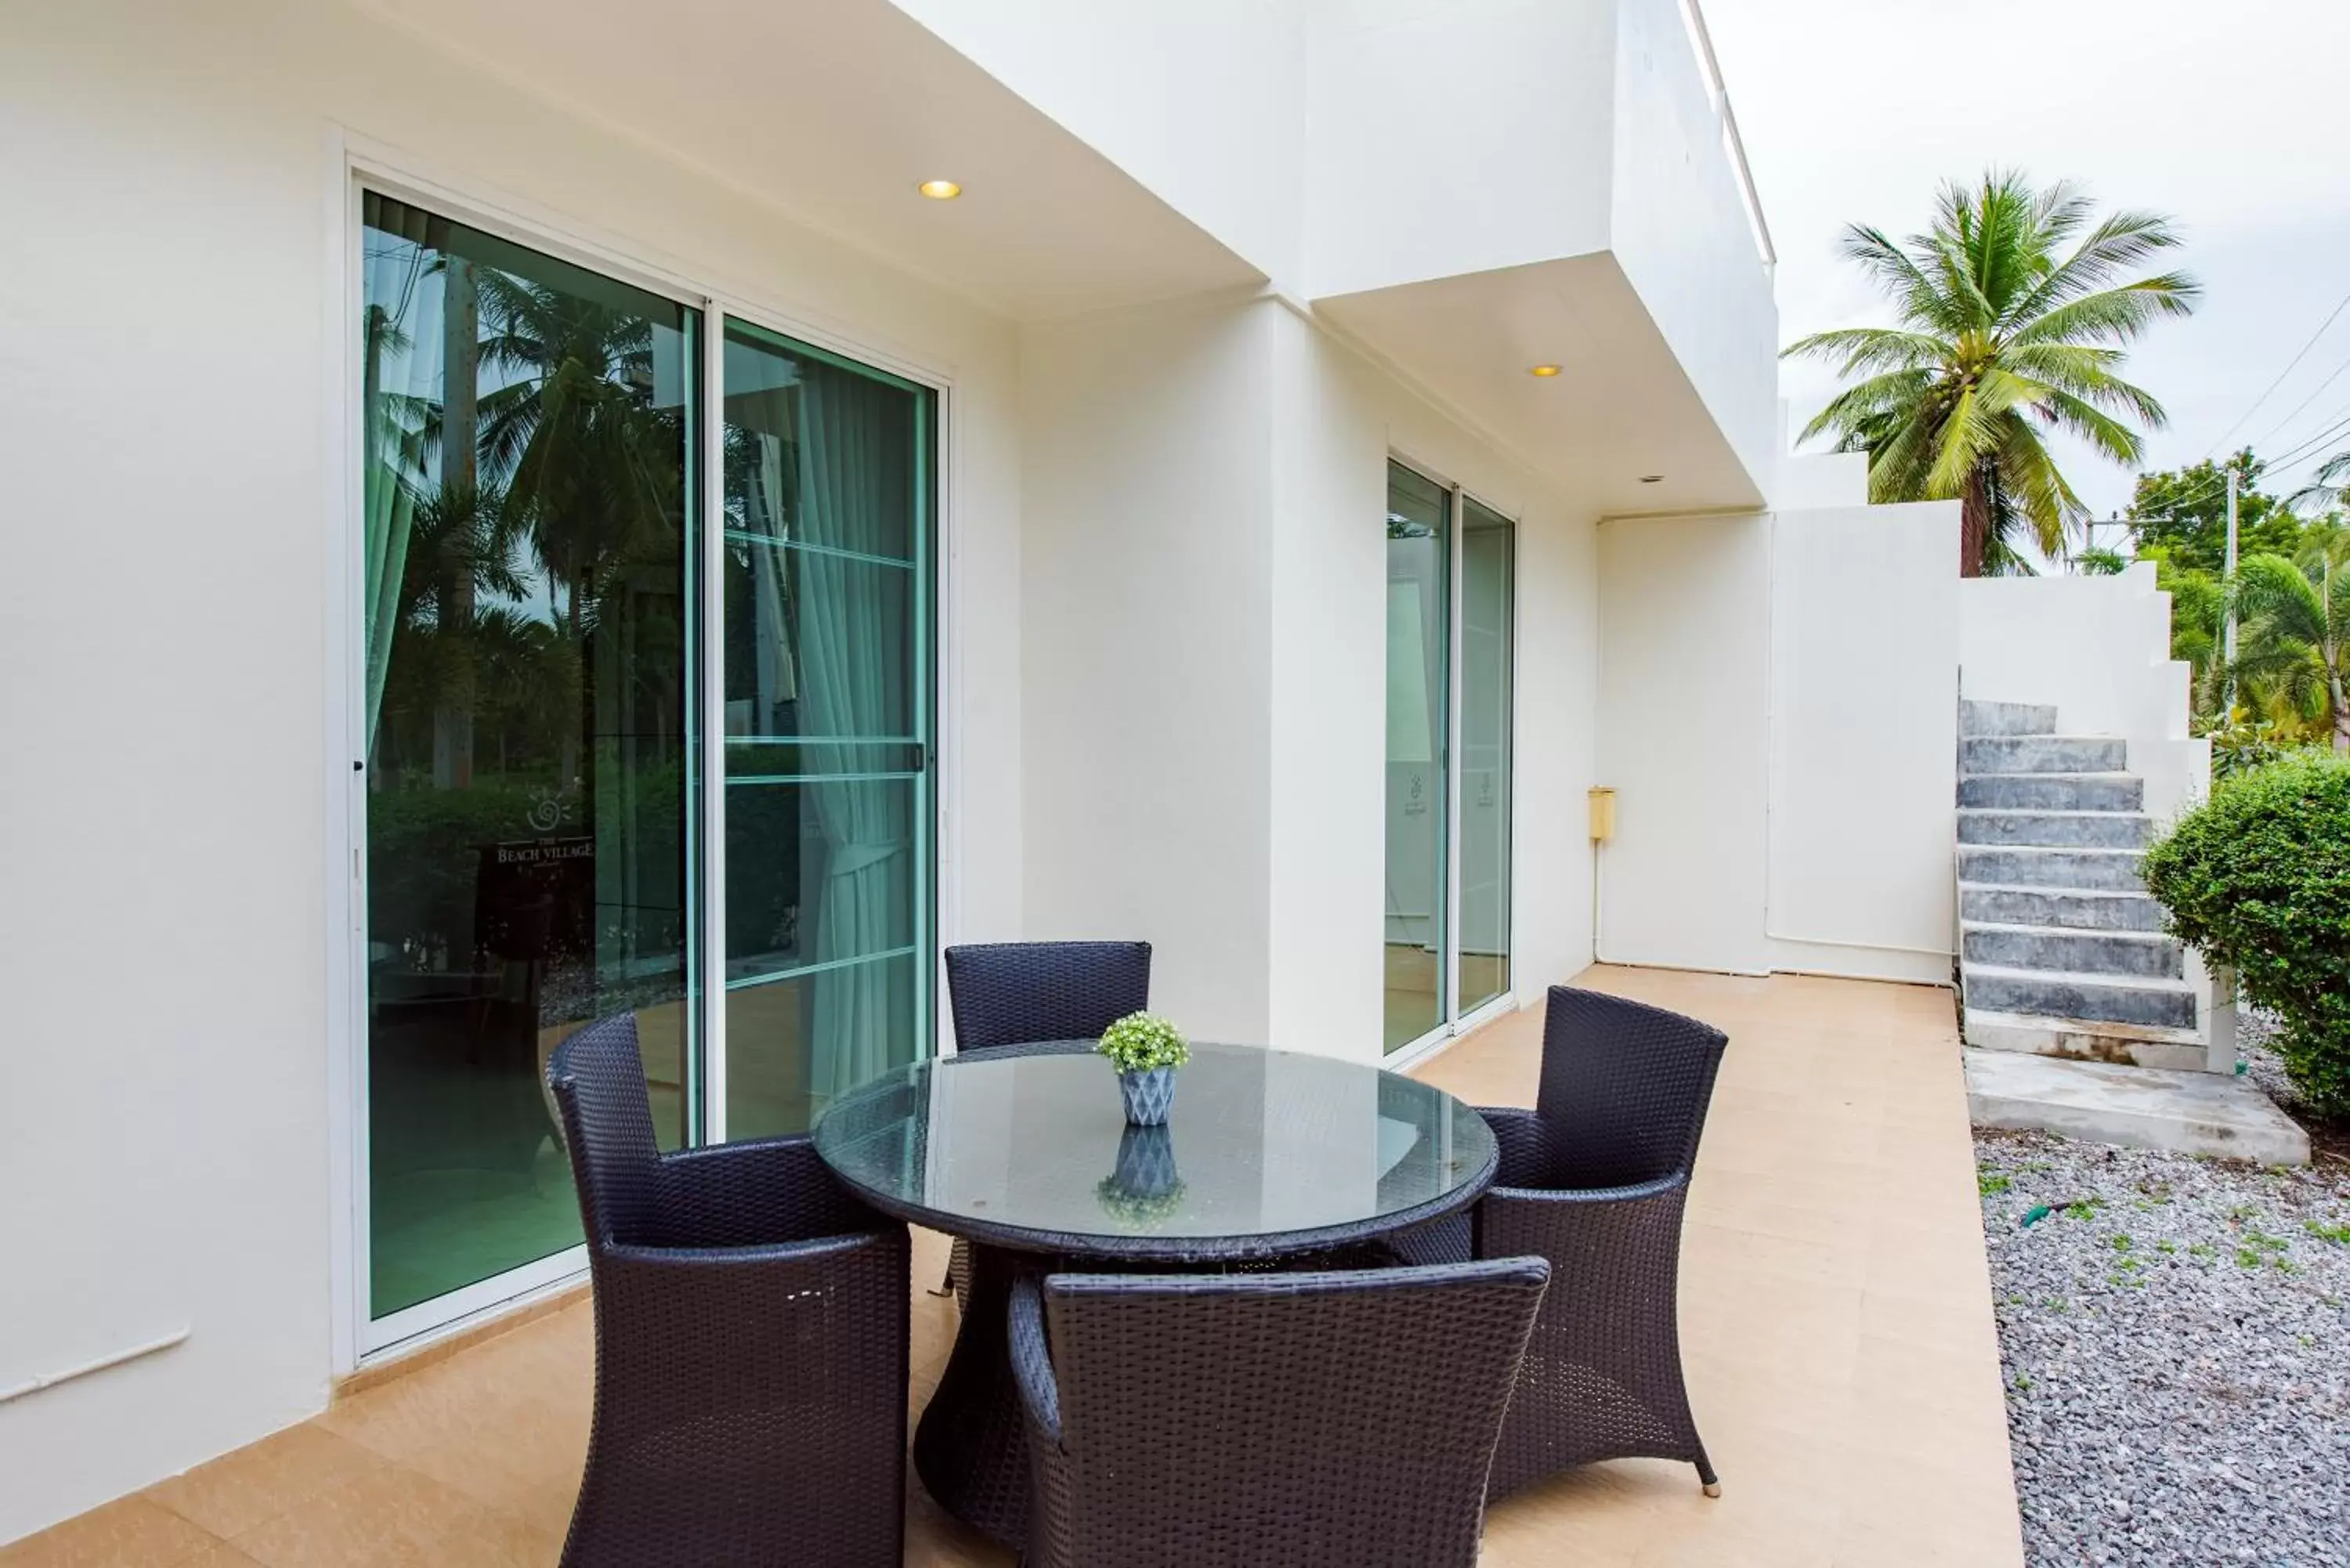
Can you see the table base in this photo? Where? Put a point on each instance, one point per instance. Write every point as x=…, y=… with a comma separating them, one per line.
x=971, y=1448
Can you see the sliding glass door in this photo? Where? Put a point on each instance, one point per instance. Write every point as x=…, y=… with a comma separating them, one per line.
x=1487, y=600
x=1450, y=584
x=827, y=735
x=646, y=727
x=529, y=628
x=1420, y=683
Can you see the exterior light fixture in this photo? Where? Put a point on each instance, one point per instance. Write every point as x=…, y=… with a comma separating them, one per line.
x=939, y=190
x=1544, y=372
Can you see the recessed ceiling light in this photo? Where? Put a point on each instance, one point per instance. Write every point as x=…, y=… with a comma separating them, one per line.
x=1652, y=479
x=1546, y=371
x=939, y=190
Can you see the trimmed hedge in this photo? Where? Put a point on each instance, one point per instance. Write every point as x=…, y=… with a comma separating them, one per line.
x=2259, y=878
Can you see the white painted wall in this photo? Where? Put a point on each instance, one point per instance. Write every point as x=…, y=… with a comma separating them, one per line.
x=1864, y=726
x=163, y=321
x=1146, y=602
x=1684, y=691
x=1777, y=708
x=1455, y=138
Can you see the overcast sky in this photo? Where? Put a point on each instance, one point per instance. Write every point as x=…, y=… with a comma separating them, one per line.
x=2230, y=117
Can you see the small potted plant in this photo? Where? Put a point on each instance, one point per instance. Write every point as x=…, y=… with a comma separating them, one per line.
x=1146, y=1049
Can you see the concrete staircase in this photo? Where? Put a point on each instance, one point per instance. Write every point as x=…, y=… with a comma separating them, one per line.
x=2061, y=952
x=2084, y=1018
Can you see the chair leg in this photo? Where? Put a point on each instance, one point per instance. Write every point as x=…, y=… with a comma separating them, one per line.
x=946, y=1284
x=1706, y=1479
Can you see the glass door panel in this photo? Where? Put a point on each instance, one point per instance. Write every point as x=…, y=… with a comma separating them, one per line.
x=825, y=633
x=1488, y=569
x=526, y=499
x=1417, y=687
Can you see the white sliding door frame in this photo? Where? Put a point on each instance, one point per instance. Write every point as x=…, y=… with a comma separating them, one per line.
x=1454, y=1024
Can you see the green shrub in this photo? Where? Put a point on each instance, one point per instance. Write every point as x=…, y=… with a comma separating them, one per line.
x=2259, y=878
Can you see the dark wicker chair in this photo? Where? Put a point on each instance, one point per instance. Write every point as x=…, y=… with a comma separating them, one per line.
x=1017, y=993
x=1595, y=1179
x=1273, y=1419
x=751, y=1324
x=1024, y=993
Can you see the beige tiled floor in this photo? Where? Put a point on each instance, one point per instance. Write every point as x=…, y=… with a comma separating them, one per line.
x=1836, y=1318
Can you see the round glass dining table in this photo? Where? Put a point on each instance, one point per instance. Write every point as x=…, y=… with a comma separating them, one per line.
x=1025, y=1153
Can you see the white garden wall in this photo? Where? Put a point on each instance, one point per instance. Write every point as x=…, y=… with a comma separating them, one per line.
x=1778, y=715
x=1864, y=726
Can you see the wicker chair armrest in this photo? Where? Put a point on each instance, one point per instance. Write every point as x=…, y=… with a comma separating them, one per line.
x=1589, y=1196
x=1032, y=1360
x=777, y=1259
x=755, y=1193
x=1525, y=1146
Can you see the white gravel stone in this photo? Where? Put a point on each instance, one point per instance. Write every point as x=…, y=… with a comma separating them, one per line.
x=2177, y=1347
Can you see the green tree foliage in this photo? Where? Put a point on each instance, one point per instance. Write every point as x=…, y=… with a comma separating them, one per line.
x=2198, y=613
x=2184, y=514
x=2293, y=637
x=2015, y=308
x=2259, y=878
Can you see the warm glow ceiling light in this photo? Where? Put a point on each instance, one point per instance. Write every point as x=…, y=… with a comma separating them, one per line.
x=1544, y=372
x=939, y=190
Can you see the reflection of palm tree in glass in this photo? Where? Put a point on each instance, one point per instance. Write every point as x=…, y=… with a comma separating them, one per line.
x=589, y=465
x=592, y=470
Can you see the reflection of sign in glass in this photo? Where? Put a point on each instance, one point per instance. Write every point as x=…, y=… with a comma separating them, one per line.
x=1415, y=796
x=535, y=897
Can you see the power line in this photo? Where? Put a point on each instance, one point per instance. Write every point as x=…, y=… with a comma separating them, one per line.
x=2292, y=365
x=2304, y=404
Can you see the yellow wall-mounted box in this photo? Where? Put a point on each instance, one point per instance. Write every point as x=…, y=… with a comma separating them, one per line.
x=1603, y=815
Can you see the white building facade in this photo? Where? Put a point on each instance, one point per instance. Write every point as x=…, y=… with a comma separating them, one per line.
x=521, y=510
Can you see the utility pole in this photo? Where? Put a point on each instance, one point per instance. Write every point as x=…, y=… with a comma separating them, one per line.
x=2231, y=583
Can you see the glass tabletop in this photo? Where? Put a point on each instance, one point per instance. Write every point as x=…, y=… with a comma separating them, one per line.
x=1264, y=1152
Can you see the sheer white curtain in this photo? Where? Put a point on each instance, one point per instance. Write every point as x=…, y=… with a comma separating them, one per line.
x=773, y=678
x=852, y=487
x=402, y=343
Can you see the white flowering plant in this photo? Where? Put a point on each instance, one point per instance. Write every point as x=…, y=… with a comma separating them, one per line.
x=1142, y=1040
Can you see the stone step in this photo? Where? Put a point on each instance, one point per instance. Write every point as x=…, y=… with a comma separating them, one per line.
x=2152, y=957
x=2106, y=870
x=2056, y=829
x=2043, y=754
x=2006, y=718
x=2188, y=1112
x=2053, y=792
x=2081, y=1040
x=2091, y=998
x=2073, y=910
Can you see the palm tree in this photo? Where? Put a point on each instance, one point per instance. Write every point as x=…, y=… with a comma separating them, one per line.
x=2004, y=339
x=2293, y=633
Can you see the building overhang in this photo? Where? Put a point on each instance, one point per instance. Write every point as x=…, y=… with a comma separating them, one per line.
x=832, y=112
x=1620, y=422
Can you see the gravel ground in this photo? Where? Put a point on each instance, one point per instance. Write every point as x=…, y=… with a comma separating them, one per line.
x=2176, y=1338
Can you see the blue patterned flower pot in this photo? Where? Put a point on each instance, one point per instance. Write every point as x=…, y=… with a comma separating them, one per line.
x=1147, y=1095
